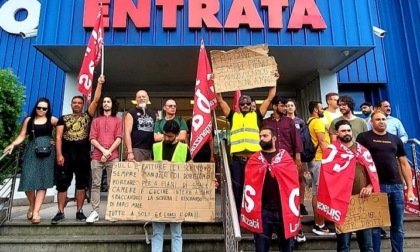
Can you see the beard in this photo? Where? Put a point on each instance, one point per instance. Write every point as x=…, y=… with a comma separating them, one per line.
x=346, y=138
x=266, y=145
x=167, y=142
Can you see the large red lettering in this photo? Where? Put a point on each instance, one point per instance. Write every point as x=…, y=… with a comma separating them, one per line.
x=305, y=12
x=243, y=12
x=275, y=12
x=169, y=8
x=140, y=14
x=200, y=11
x=91, y=10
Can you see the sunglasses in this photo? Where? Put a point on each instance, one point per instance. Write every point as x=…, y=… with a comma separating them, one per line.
x=171, y=106
x=42, y=108
x=243, y=104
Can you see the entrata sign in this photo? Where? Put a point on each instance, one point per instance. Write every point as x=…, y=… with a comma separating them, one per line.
x=8, y=13
x=204, y=12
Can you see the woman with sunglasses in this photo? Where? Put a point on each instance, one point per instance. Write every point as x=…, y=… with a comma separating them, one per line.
x=37, y=173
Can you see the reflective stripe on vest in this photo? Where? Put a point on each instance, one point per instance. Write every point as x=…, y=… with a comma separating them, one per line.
x=180, y=153
x=244, y=135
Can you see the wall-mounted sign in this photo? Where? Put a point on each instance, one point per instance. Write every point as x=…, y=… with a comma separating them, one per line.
x=8, y=12
x=206, y=13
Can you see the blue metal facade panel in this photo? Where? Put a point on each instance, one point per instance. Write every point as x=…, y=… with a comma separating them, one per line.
x=348, y=24
x=41, y=77
x=402, y=50
x=370, y=68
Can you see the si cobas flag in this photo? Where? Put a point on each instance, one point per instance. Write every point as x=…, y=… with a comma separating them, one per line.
x=204, y=103
x=92, y=57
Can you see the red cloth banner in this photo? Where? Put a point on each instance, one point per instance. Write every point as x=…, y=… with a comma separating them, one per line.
x=336, y=179
x=92, y=57
x=204, y=103
x=283, y=168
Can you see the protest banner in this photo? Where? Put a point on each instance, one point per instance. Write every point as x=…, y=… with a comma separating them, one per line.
x=243, y=68
x=366, y=213
x=161, y=191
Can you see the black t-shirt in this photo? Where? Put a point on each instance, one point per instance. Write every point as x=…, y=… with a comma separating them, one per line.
x=76, y=131
x=270, y=192
x=259, y=117
x=143, y=128
x=384, y=150
x=39, y=129
x=168, y=152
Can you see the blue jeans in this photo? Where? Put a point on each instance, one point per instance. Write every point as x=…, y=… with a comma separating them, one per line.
x=364, y=239
x=272, y=220
x=176, y=236
x=396, y=213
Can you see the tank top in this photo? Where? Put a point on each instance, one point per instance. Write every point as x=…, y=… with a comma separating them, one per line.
x=40, y=129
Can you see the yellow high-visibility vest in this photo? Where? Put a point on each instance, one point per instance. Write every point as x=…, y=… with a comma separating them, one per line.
x=180, y=153
x=245, y=133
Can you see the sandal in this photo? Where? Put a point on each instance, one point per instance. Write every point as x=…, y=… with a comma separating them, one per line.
x=36, y=219
x=29, y=214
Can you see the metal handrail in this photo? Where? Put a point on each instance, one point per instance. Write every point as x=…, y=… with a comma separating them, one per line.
x=7, y=189
x=230, y=216
x=413, y=142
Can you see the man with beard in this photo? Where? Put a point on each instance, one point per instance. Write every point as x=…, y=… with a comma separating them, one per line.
x=356, y=176
x=367, y=110
x=139, y=123
x=105, y=136
x=321, y=139
x=244, y=128
x=271, y=195
x=170, y=149
x=73, y=152
x=358, y=125
x=287, y=138
x=169, y=106
x=394, y=125
x=389, y=156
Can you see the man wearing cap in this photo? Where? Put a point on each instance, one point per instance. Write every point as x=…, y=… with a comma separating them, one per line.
x=367, y=110
x=244, y=136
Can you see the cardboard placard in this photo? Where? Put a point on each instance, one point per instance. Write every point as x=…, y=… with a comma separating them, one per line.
x=366, y=213
x=243, y=68
x=161, y=191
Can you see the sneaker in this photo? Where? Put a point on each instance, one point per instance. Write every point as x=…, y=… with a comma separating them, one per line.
x=383, y=233
x=80, y=216
x=300, y=237
x=324, y=231
x=303, y=210
x=59, y=217
x=93, y=217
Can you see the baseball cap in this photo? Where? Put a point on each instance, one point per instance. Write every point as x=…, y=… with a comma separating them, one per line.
x=244, y=99
x=366, y=104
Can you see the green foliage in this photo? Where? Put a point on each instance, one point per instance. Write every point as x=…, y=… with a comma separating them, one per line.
x=12, y=97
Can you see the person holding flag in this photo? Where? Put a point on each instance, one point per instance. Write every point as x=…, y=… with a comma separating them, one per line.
x=347, y=169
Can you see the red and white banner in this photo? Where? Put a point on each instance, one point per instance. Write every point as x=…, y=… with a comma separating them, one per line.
x=412, y=207
x=204, y=103
x=236, y=97
x=92, y=57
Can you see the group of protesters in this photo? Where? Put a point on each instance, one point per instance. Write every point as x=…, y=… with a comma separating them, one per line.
x=266, y=168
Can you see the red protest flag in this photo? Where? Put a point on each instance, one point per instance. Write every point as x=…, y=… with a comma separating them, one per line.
x=236, y=97
x=201, y=125
x=92, y=57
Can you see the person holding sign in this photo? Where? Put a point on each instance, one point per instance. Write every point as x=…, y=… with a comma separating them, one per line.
x=170, y=149
x=387, y=151
x=105, y=136
x=271, y=196
x=346, y=170
x=244, y=129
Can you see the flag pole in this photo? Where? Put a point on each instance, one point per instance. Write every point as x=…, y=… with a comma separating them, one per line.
x=103, y=46
x=217, y=130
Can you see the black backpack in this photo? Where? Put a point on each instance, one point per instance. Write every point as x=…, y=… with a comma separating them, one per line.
x=309, y=150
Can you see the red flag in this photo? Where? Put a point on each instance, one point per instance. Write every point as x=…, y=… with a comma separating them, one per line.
x=201, y=125
x=236, y=97
x=92, y=57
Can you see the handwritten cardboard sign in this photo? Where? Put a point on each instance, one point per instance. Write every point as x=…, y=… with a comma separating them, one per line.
x=161, y=191
x=243, y=68
x=366, y=213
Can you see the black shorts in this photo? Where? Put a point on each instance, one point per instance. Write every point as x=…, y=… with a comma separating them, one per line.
x=77, y=162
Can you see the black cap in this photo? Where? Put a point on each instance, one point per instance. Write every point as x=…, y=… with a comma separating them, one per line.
x=366, y=104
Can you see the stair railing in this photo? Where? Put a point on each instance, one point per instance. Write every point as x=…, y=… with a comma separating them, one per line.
x=229, y=214
x=415, y=147
x=9, y=165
